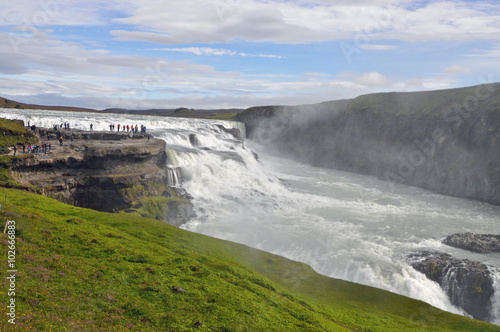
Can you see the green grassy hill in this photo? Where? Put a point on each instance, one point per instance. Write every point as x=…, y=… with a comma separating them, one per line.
x=83, y=270
x=12, y=134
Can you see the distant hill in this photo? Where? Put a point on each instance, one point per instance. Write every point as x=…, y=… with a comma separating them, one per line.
x=223, y=114
x=7, y=103
x=170, y=112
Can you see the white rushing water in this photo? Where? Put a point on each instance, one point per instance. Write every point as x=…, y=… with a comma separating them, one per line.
x=344, y=225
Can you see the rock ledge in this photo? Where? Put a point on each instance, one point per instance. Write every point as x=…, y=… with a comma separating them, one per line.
x=482, y=243
x=468, y=284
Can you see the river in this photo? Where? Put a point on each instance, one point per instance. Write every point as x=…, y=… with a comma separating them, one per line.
x=343, y=225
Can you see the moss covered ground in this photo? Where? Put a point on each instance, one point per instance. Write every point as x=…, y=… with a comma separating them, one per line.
x=12, y=134
x=83, y=270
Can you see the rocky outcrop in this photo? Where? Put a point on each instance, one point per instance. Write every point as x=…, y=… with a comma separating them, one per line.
x=482, y=243
x=103, y=171
x=233, y=131
x=468, y=284
x=445, y=141
x=193, y=139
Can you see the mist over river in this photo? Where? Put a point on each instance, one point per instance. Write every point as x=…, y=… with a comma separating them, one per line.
x=344, y=225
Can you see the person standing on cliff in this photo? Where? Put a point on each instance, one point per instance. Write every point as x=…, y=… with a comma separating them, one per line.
x=118, y=127
x=15, y=150
x=61, y=140
x=91, y=126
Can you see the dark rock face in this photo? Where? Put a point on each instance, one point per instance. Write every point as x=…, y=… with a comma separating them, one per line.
x=105, y=173
x=482, y=243
x=468, y=284
x=193, y=140
x=233, y=131
x=445, y=141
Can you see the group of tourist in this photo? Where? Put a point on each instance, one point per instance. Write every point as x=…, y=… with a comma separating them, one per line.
x=124, y=128
x=35, y=148
x=128, y=128
x=46, y=147
x=65, y=125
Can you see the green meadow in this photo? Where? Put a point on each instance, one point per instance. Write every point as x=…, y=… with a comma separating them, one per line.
x=83, y=270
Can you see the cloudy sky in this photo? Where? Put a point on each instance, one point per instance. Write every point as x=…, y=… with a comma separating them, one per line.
x=240, y=53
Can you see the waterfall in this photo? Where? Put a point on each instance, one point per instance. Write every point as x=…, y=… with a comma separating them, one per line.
x=174, y=176
x=495, y=301
x=469, y=289
x=343, y=225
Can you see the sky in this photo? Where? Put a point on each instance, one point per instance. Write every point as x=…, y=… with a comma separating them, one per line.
x=209, y=54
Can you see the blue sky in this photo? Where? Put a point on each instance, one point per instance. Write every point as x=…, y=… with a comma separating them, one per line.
x=240, y=53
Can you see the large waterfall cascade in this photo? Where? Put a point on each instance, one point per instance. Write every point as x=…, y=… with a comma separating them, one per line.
x=344, y=225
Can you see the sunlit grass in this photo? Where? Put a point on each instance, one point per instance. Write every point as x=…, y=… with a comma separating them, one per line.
x=85, y=270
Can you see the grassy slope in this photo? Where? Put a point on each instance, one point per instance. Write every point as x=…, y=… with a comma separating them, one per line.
x=11, y=134
x=85, y=270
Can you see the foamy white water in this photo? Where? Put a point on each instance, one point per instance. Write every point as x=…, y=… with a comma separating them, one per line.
x=344, y=225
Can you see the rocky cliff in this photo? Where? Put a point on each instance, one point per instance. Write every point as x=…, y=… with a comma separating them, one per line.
x=445, y=141
x=106, y=172
x=468, y=284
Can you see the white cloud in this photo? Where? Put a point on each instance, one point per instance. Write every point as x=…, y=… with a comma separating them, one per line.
x=35, y=63
x=54, y=12
x=295, y=21
x=198, y=50
x=378, y=47
x=372, y=80
x=457, y=70
x=201, y=21
x=493, y=52
x=215, y=51
x=206, y=89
